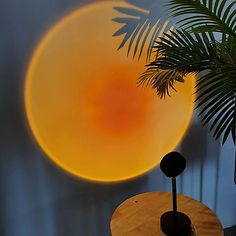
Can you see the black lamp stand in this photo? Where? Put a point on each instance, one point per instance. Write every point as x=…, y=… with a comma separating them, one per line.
x=174, y=223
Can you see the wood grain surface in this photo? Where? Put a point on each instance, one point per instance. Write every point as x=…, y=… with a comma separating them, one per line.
x=140, y=215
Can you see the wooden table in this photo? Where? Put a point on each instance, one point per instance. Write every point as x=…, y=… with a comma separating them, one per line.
x=140, y=215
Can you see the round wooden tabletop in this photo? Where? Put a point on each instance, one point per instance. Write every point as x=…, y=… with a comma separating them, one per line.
x=140, y=215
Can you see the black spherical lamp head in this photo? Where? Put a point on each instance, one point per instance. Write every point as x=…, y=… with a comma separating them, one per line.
x=173, y=164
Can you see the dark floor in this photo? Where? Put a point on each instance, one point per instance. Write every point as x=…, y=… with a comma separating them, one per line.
x=230, y=231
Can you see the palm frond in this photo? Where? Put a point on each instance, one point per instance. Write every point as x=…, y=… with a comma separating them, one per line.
x=185, y=52
x=178, y=54
x=181, y=53
x=205, y=15
x=161, y=80
x=217, y=100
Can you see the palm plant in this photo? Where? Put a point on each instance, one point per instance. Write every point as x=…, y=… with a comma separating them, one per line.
x=203, y=43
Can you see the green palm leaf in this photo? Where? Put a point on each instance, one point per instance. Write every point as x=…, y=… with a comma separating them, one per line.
x=182, y=53
x=217, y=100
x=205, y=15
x=185, y=52
x=161, y=80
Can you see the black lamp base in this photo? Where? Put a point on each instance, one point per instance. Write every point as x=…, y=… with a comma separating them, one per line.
x=180, y=227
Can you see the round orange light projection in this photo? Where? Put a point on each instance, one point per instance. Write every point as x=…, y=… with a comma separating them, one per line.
x=85, y=109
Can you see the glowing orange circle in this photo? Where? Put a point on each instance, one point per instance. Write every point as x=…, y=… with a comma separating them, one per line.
x=84, y=107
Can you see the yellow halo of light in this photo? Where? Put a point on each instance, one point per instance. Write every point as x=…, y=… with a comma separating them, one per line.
x=84, y=107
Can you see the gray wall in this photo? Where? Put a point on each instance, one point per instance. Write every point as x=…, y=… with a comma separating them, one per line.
x=38, y=199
